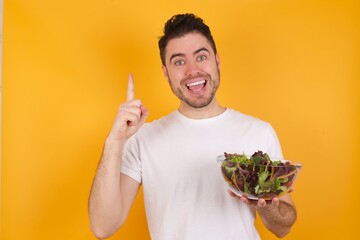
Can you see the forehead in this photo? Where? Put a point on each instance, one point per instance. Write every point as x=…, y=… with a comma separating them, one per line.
x=187, y=44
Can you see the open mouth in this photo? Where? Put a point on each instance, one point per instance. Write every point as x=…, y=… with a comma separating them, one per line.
x=196, y=86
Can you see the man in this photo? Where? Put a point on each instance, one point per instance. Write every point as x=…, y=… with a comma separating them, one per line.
x=174, y=158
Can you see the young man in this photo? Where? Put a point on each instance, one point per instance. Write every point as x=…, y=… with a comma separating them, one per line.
x=174, y=158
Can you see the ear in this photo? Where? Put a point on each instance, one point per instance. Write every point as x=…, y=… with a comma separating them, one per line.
x=217, y=58
x=165, y=72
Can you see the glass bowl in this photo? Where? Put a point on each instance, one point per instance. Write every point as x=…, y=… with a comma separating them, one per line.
x=258, y=176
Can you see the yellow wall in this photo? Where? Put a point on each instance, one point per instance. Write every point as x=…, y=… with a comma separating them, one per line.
x=65, y=65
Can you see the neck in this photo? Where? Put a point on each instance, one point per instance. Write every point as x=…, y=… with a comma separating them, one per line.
x=211, y=110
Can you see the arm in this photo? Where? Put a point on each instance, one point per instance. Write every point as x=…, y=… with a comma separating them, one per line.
x=113, y=193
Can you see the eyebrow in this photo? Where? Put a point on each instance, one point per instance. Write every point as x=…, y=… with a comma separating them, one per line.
x=194, y=53
x=176, y=55
x=200, y=50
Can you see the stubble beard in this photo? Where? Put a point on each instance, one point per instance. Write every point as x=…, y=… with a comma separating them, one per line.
x=198, y=103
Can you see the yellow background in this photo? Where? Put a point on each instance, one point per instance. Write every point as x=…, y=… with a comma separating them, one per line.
x=294, y=64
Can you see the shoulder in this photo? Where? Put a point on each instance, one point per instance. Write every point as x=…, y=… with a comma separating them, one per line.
x=245, y=119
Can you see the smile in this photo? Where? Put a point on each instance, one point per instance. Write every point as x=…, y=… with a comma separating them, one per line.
x=195, y=83
x=196, y=87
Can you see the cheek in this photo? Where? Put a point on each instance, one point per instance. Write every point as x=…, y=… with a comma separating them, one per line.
x=216, y=69
x=176, y=76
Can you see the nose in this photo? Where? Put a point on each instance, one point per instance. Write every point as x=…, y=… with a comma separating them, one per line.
x=192, y=68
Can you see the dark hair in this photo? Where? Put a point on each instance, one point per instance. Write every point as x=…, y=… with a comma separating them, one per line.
x=181, y=24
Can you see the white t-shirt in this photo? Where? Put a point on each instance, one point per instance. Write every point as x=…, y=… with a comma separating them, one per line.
x=184, y=192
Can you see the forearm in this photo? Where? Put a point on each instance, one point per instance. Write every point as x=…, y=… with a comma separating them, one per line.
x=278, y=219
x=105, y=198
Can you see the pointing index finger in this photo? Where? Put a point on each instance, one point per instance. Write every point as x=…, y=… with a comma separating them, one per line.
x=130, y=91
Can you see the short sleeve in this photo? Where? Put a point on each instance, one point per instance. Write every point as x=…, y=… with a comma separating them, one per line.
x=131, y=163
x=274, y=147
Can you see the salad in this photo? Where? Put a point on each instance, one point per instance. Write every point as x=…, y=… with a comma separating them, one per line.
x=258, y=175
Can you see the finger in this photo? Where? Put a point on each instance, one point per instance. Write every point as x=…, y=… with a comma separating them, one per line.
x=261, y=202
x=275, y=202
x=231, y=193
x=132, y=119
x=130, y=91
x=133, y=110
x=247, y=201
x=144, y=114
x=129, y=114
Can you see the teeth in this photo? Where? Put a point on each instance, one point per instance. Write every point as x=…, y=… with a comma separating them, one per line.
x=195, y=83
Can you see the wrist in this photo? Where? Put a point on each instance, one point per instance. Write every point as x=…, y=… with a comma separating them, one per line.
x=114, y=140
x=113, y=146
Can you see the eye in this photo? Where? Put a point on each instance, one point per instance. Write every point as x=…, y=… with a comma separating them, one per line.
x=179, y=62
x=201, y=58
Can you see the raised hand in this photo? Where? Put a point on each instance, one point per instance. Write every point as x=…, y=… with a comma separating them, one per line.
x=130, y=116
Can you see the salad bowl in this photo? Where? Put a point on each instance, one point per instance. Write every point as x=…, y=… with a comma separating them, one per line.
x=257, y=176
